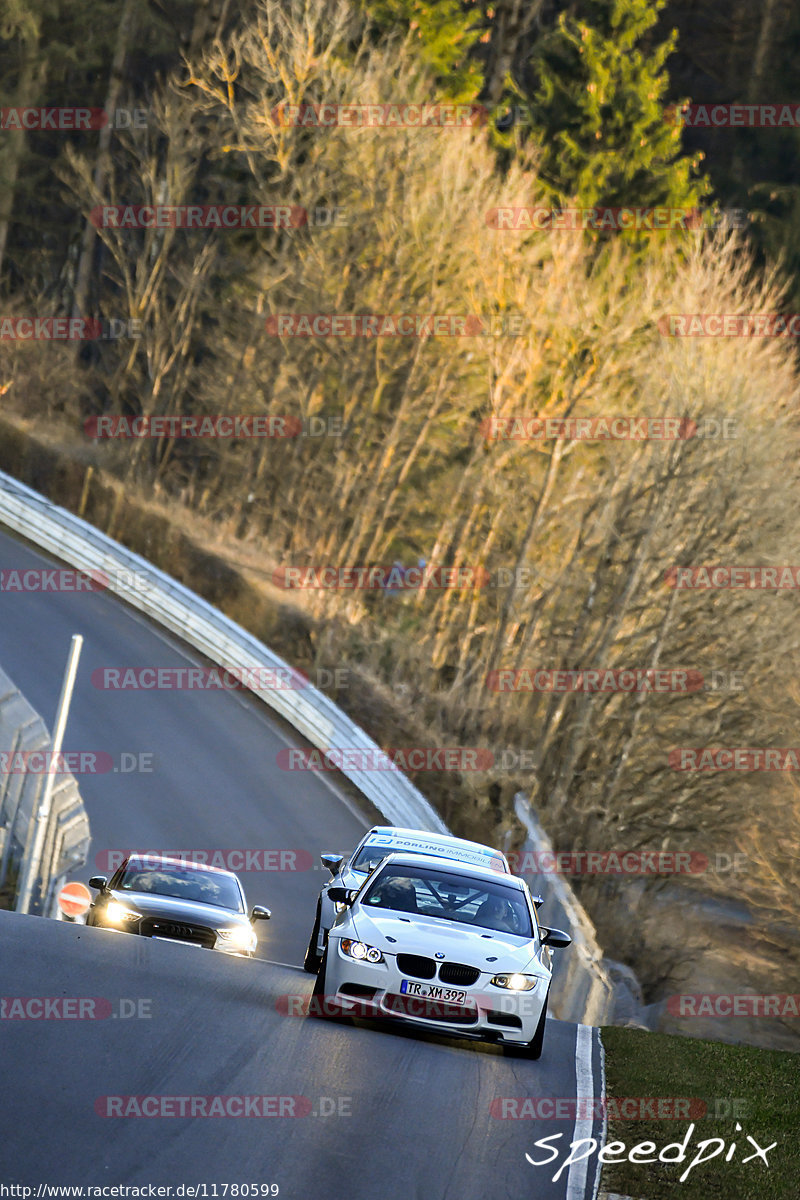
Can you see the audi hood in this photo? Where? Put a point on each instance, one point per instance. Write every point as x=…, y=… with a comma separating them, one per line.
x=174, y=909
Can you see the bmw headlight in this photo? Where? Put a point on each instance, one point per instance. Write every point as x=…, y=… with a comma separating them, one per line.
x=361, y=952
x=117, y=913
x=241, y=938
x=516, y=982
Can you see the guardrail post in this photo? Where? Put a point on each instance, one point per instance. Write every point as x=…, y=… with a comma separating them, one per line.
x=32, y=863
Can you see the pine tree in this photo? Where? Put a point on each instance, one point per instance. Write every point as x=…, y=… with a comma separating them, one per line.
x=445, y=32
x=748, y=56
x=597, y=106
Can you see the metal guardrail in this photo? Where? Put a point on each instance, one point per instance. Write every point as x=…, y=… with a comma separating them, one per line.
x=176, y=608
x=582, y=989
x=66, y=844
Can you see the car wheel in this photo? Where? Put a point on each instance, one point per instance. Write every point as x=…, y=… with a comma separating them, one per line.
x=320, y=1005
x=317, y=1007
x=313, y=960
x=534, y=1047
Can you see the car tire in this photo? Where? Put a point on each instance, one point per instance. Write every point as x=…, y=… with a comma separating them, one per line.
x=534, y=1048
x=319, y=1006
x=319, y=983
x=313, y=961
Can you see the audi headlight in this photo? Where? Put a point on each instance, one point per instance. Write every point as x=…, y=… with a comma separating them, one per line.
x=241, y=938
x=516, y=982
x=117, y=913
x=361, y=952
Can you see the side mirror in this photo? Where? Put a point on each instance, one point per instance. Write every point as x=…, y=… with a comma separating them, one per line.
x=332, y=861
x=98, y=882
x=555, y=938
x=259, y=913
x=341, y=895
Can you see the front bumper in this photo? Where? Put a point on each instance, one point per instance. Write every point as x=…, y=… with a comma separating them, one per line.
x=361, y=988
x=203, y=937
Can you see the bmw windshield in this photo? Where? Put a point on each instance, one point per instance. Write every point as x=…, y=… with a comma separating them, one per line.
x=443, y=895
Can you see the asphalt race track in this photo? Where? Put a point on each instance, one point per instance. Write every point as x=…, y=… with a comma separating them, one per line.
x=367, y=1112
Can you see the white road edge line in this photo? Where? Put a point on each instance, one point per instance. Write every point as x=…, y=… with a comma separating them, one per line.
x=273, y=962
x=604, y=1133
x=585, y=1109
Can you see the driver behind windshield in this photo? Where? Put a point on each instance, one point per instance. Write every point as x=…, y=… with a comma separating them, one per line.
x=397, y=893
x=194, y=887
x=499, y=914
x=442, y=895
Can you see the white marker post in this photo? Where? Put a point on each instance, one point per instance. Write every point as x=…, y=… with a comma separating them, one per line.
x=32, y=864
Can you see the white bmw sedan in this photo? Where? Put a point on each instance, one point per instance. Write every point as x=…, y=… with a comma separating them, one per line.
x=377, y=843
x=442, y=945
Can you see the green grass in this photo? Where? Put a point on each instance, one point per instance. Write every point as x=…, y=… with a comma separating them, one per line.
x=760, y=1088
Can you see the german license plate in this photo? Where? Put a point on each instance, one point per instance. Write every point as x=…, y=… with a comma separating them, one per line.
x=433, y=991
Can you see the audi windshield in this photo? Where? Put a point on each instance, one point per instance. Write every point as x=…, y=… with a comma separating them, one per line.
x=190, y=883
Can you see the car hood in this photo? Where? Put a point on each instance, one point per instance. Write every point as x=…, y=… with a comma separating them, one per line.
x=458, y=943
x=151, y=905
